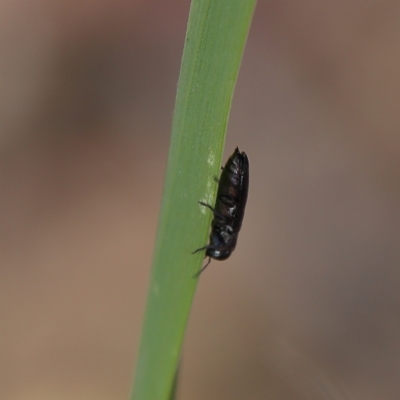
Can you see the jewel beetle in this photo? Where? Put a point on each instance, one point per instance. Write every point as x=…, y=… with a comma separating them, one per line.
x=229, y=208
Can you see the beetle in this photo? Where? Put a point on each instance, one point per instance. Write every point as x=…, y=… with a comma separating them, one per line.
x=229, y=208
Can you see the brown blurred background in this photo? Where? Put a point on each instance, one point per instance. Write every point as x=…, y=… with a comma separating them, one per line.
x=307, y=307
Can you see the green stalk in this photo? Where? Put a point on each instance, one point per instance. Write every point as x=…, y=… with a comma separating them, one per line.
x=215, y=39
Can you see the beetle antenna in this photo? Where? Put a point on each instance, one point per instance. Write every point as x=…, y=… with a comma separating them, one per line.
x=197, y=274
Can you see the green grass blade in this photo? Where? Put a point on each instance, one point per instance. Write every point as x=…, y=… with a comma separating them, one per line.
x=215, y=39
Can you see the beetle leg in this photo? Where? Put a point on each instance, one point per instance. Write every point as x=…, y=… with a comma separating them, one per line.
x=215, y=212
x=208, y=247
x=200, y=249
x=196, y=275
x=208, y=206
x=228, y=200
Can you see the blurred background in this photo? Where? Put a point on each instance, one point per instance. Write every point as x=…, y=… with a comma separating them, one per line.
x=308, y=305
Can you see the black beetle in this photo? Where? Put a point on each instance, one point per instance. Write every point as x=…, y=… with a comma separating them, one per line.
x=229, y=208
